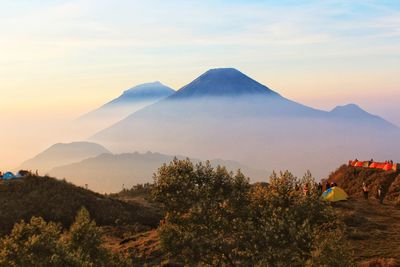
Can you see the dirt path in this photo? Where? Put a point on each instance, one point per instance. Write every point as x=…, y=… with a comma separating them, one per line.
x=374, y=229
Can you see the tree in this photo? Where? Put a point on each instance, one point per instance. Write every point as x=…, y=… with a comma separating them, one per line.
x=204, y=207
x=287, y=221
x=85, y=245
x=214, y=217
x=39, y=243
x=331, y=250
x=33, y=244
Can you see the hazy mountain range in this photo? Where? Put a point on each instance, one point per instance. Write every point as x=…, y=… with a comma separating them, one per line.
x=109, y=173
x=226, y=114
x=222, y=114
x=85, y=163
x=61, y=154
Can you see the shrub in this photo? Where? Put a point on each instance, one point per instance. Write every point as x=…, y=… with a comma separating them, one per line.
x=39, y=243
x=33, y=244
x=214, y=217
x=381, y=263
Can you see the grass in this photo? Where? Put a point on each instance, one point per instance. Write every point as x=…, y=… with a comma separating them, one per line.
x=58, y=201
x=372, y=229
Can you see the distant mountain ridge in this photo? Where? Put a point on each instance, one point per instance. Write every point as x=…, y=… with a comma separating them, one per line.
x=147, y=92
x=63, y=153
x=353, y=111
x=226, y=114
x=352, y=118
x=109, y=172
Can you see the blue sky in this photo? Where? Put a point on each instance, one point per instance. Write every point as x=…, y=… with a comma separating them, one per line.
x=59, y=59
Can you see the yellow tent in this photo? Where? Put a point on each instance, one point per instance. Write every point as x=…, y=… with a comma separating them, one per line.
x=334, y=194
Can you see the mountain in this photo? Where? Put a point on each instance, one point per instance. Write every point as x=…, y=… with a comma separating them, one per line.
x=130, y=101
x=147, y=92
x=223, y=82
x=351, y=112
x=59, y=201
x=108, y=172
x=229, y=92
x=226, y=114
x=61, y=154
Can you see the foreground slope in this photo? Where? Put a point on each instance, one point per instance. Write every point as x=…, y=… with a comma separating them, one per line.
x=59, y=201
x=226, y=114
x=372, y=229
x=373, y=232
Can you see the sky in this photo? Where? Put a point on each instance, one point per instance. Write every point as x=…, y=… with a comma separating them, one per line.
x=60, y=59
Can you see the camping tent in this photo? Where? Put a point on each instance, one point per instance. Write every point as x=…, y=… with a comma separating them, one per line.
x=8, y=176
x=366, y=164
x=377, y=165
x=373, y=165
x=359, y=164
x=334, y=194
x=381, y=165
x=396, y=167
x=388, y=167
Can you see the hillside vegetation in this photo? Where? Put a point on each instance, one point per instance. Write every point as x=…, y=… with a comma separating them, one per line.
x=59, y=201
x=372, y=230
x=217, y=218
x=351, y=180
x=41, y=244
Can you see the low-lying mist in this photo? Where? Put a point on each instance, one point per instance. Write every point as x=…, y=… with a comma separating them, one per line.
x=262, y=133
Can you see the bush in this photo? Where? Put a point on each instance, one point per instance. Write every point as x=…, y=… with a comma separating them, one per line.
x=214, y=217
x=331, y=251
x=381, y=263
x=39, y=243
x=33, y=244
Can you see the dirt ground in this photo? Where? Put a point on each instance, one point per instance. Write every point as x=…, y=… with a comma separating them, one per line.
x=373, y=228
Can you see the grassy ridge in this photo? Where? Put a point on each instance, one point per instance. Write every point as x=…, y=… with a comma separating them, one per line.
x=59, y=201
x=351, y=180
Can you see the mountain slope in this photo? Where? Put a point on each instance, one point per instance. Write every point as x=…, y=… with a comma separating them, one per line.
x=226, y=114
x=351, y=179
x=373, y=229
x=130, y=101
x=223, y=82
x=61, y=154
x=354, y=113
x=108, y=172
x=143, y=92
